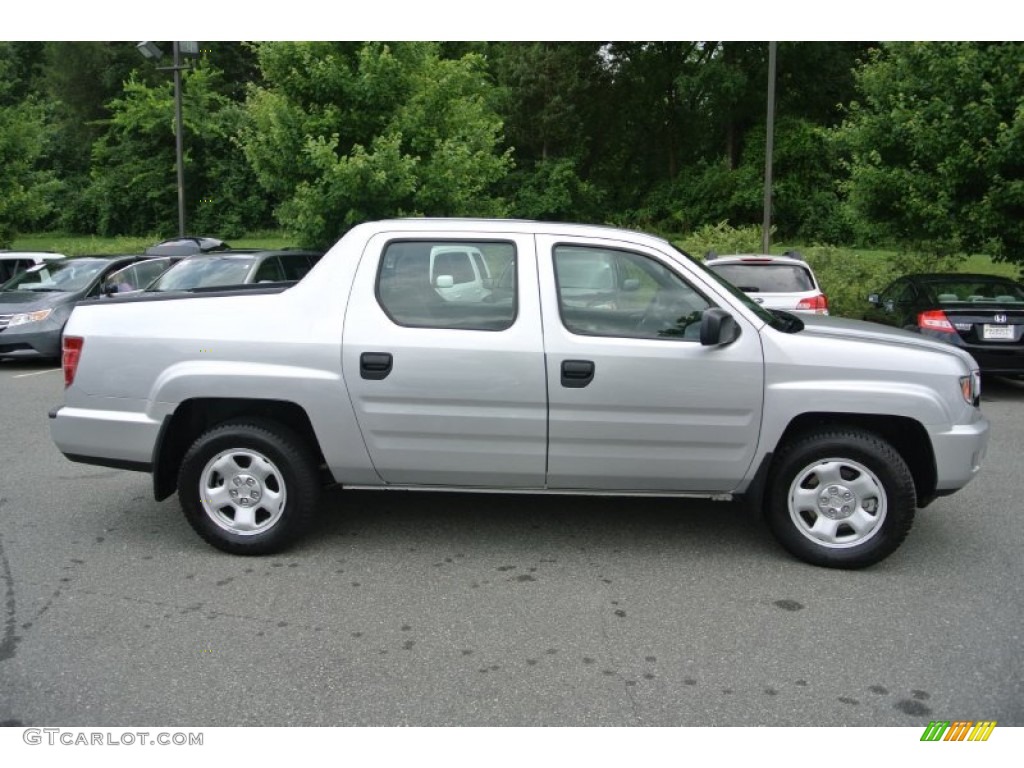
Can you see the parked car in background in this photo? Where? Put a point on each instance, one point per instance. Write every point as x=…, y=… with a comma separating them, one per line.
x=15, y=262
x=983, y=314
x=459, y=273
x=775, y=282
x=35, y=305
x=158, y=259
x=241, y=267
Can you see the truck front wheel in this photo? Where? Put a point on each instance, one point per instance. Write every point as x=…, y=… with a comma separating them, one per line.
x=841, y=498
x=248, y=487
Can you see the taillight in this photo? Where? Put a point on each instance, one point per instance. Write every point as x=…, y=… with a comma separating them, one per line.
x=934, y=320
x=817, y=303
x=72, y=353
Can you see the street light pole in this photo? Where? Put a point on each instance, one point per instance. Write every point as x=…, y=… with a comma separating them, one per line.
x=178, y=138
x=190, y=51
x=766, y=225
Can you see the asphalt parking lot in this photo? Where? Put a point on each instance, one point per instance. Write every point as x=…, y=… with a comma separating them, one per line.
x=446, y=609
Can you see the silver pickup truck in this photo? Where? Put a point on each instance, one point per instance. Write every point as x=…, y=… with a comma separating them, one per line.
x=372, y=373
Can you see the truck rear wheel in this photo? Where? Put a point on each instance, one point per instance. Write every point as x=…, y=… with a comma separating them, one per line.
x=841, y=498
x=249, y=487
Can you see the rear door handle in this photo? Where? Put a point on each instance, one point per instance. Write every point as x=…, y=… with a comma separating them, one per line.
x=577, y=373
x=375, y=365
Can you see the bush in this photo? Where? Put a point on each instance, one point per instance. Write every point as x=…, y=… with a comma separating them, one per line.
x=722, y=239
x=847, y=277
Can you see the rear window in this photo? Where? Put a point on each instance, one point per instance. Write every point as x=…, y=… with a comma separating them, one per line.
x=766, y=278
x=957, y=289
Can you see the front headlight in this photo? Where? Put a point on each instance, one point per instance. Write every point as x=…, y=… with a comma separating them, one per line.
x=970, y=387
x=29, y=317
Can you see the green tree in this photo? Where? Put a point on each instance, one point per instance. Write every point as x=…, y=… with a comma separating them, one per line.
x=551, y=105
x=134, y=181
x=24, y=184
x=345, y=132
x=936, y=147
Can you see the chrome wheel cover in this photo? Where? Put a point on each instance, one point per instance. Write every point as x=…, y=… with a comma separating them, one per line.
x=837, y=503
x=242, y=491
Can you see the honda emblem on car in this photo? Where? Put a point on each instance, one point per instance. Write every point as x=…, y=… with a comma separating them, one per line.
x=1000, y=318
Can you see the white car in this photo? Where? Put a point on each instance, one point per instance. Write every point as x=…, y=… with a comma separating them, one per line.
x=15, y=262
x=775, y=282
x=459, y=273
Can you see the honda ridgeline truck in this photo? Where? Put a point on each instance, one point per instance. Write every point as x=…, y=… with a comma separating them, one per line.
x=369, y=373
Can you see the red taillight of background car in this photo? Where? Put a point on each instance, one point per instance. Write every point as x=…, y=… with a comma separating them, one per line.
x=934, y=320
x=72, y=353
x=817, y=303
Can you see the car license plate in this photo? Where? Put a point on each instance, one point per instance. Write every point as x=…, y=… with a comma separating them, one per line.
x=997, y=331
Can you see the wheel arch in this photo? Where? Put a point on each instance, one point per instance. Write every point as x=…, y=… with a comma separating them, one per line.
x=906, y=435
x=195, y=416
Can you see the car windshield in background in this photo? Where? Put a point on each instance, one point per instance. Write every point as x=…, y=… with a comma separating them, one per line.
x=63, y=277
x=953, y=289
x=204, y=272
x=766, y=278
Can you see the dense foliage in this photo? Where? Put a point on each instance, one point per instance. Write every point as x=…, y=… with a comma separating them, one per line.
x=937, y=146
x=913, y=146
x=345, y=132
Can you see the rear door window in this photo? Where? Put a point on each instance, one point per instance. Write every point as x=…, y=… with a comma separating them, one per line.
x=411, y=297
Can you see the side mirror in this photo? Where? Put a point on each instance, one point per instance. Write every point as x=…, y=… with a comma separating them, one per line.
x=718, y=327
x=873, y=298
x=109, y=289
x=444, y=281
x=630, y=284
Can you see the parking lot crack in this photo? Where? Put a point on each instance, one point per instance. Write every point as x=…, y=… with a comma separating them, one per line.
x=9, y=640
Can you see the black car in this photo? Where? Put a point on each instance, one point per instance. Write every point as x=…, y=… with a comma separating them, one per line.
x=35, y=305
x=983, y=314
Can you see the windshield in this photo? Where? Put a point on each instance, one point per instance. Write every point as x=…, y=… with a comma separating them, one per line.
x=63, y=277
x=203, y=272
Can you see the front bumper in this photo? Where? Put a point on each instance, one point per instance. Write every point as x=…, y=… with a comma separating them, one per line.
x=959, y=453
x=40, y=339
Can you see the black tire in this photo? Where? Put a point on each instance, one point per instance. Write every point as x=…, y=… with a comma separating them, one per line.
x=840, y=498
x=282, y=496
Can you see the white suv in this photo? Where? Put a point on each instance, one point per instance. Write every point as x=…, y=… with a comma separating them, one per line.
x=459, y=273
x=775, y=282
x=15, y=262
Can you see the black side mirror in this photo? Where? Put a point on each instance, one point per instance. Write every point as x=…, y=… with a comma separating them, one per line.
x=109, y=289
x=718, y=327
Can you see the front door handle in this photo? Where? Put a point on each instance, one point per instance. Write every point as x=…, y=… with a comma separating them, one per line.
x=577, y=373
x=375, y=365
